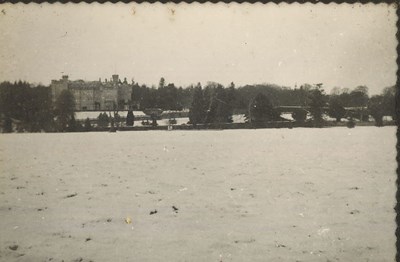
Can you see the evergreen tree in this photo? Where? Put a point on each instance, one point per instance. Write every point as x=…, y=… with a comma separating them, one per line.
x=389, y=101
x=130, y=118
x=376, y=109
x=336, y=109
x=316, y=103
x=88, y=125
x=261, y=110
x=103, y=120
x=197, y=111
x=7, y=125
x=32, y=105
x=73, y=125
x=117, y=119
x=65, y=110
x=219, y=103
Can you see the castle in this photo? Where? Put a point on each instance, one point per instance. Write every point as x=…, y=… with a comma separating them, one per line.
x=95, y=95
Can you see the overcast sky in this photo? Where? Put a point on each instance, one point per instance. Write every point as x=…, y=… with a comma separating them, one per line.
x=338, y=45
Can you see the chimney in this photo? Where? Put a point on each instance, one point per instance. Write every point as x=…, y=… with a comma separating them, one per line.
x=115, y=78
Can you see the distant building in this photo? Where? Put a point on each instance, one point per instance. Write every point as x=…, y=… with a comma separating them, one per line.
x=95, y=95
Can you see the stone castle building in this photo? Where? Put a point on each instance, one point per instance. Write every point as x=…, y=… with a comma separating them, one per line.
x=95, y=95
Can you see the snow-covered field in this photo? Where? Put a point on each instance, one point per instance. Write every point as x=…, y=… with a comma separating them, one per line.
x=234, y=195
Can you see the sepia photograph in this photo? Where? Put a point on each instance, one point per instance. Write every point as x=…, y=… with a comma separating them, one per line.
x=198, y=132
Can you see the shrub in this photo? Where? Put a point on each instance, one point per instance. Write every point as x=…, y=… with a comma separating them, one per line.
x=87, y=126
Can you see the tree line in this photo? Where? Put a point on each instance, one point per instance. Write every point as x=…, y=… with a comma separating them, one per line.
x=259, y=103
x=32, y=105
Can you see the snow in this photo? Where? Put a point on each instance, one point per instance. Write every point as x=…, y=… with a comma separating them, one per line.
x=239, y=118
x=82, y=115
x=241, y=195
x=179, y=121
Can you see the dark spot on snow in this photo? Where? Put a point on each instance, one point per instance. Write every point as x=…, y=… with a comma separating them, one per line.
x=354, y=188
x=280, y=245
x=40, y=194
x=109, y=220
x=71, y=195
x=13, y=247
x=13, y=178
x=151, y=192
x=233, y=188
x=78, y=259
x=354, y=212
x=153, y=212
x=20, y=187
x=247, y=241
x=88, y=239
x=175, y=209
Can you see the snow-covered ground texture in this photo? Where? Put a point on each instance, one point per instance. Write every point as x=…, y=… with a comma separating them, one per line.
x=234, y=195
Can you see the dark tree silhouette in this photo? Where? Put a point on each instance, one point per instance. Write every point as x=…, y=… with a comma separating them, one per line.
x=65, y=110
x=359, y=96
x=300, y=115
x=31, y=105
x=219, y=101
x=351, y=123
x=389, y=101
x=261, y=110
x=130, y=118
x=336, y=109
x=376, y=109
x=316, y=103
x=7, y=125
x=197, y=112
x=73, y=125
x=103, y=120
x=88, y=125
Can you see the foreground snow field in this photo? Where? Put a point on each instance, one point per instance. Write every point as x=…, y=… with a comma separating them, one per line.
x=234, y=195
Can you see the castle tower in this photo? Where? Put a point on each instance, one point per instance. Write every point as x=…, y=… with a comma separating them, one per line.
x=57, y=86
x=115, y=79
x=65, y=78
